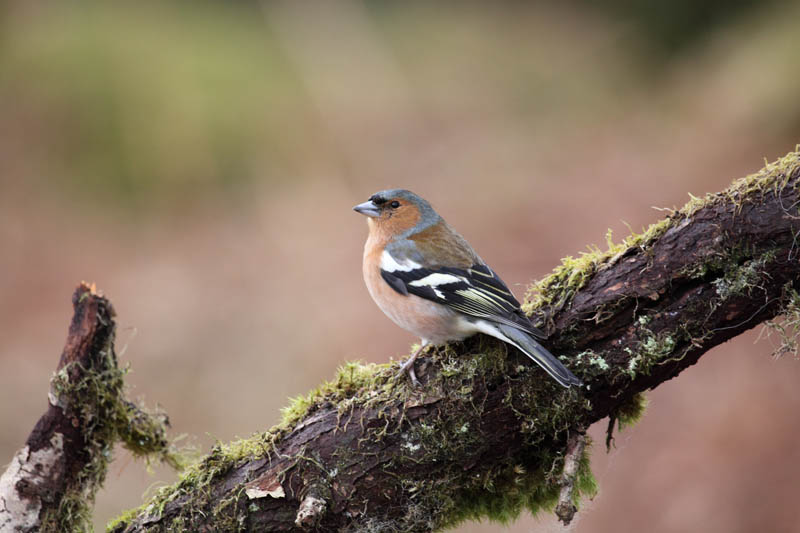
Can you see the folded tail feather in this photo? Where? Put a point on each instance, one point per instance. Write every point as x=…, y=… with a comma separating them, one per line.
x=527, y=344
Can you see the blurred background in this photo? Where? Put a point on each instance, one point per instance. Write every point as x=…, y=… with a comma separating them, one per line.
x=199, y=161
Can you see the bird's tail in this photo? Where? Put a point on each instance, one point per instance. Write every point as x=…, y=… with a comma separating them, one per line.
x=539, y=354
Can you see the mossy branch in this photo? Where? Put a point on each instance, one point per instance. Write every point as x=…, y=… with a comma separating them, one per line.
x=487, y=435
x=51, y=482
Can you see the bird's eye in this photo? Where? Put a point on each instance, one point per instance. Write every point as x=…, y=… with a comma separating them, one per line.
x=395, y=204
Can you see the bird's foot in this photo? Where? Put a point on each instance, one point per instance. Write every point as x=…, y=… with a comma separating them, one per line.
x=408, y=368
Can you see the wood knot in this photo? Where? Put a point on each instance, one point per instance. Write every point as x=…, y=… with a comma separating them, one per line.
x=310, y=512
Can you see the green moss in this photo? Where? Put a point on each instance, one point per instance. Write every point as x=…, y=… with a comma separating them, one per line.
x=736, y=273
x=772, y=178
x=787, y=325
x=630, y=412
x=511, y=489
x=196, y=479
x=499, y=493
x=105, y=416
x=350, y=378
x=355, y=384
x=625, y=415
x=546, y=413
x=724, y=263
x=556, y=290
x=123, y=519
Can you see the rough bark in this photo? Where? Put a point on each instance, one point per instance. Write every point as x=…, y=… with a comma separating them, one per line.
x=487, y=433
x=51, y=482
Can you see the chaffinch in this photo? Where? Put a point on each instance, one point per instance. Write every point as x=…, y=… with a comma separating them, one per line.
x=428, y=280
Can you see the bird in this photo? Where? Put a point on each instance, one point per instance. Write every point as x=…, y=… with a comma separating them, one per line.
x=428, y=280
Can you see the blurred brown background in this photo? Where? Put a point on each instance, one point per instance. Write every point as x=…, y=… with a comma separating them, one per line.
x=198, y=161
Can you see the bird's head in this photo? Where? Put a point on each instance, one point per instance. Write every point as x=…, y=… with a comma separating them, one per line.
x=397, y=212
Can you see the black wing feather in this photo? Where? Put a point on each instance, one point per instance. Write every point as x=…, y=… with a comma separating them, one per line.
x=394, y=282
x=476, y=291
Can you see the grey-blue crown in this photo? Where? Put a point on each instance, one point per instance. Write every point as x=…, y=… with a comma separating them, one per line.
x=428, y=216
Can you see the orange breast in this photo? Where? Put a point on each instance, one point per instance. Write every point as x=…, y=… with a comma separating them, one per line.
x=428, y=320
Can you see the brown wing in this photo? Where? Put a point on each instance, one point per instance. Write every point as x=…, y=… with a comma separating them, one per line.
x=443, y=243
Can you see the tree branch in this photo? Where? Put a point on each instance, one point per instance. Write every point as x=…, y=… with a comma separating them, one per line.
x=487, y=434
x=566, y=508
x=51, y=482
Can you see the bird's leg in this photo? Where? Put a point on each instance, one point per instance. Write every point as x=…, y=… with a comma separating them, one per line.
x=408, y=366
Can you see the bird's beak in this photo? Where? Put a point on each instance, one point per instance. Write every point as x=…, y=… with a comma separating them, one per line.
x=368, y=208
